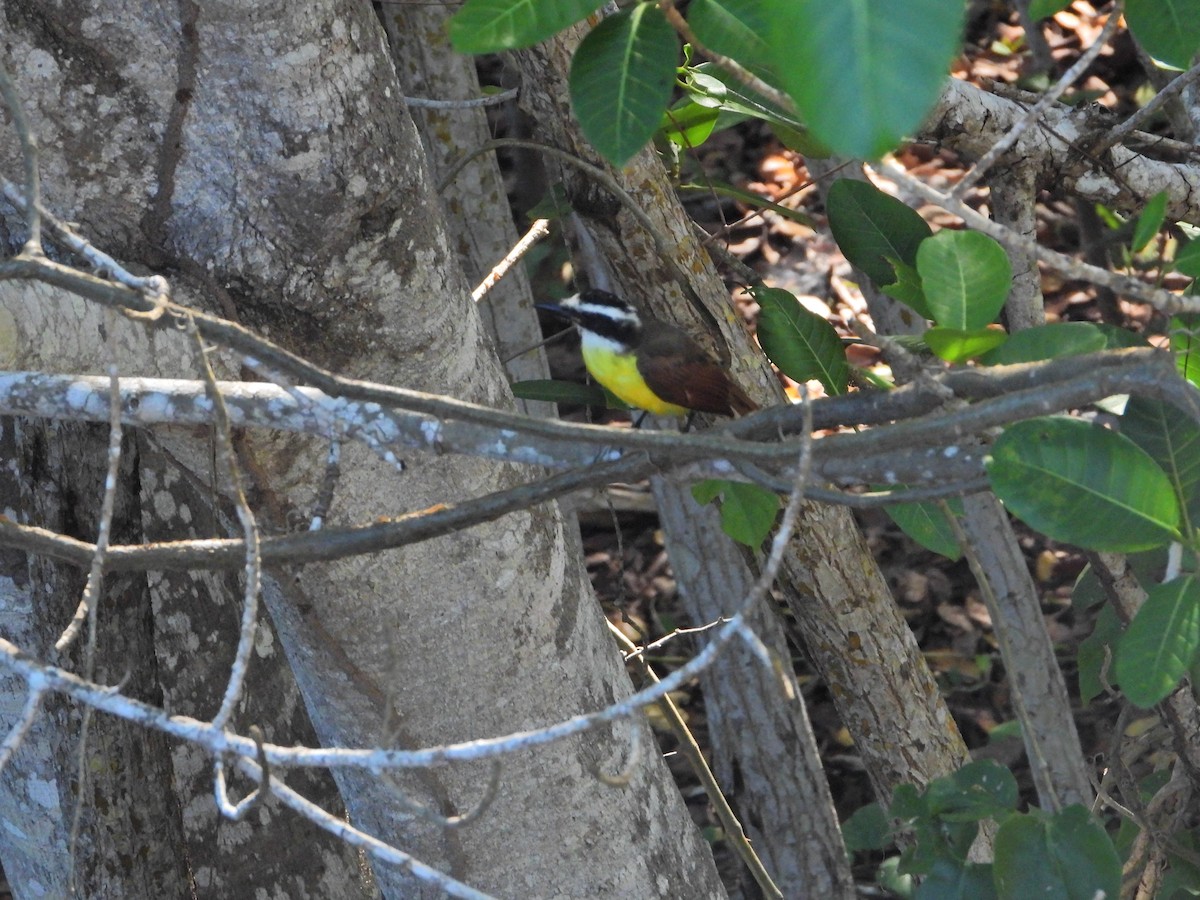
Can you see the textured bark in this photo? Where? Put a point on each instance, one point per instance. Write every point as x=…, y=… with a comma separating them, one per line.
x=969, y=120
x=130, y=842
x=1039, y=690
x=764, y=753
x=259, y=156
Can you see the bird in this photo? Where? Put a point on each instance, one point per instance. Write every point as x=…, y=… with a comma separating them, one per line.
x=649, y=364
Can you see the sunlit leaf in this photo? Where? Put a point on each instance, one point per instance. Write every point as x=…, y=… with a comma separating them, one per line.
x=966, y=277
x=957, y=346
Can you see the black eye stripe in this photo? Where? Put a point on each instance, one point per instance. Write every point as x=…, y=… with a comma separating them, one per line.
x=623, y=330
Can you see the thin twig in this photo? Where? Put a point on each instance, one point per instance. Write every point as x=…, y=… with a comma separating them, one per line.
x=34, y=692
x=1135, y=122
x=473, y=103
x=538, y=230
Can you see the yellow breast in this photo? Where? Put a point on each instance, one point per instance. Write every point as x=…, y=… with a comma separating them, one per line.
x=618, y=372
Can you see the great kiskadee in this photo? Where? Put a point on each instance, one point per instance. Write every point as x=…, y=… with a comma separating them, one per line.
x=649, y=364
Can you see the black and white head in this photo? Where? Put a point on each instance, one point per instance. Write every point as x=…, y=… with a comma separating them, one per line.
x=602, y=317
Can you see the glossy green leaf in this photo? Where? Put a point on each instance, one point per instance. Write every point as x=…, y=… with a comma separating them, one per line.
x=1160, y=644
x=926, y=524
x=872, y=227
x=1044, y=9
x=1187, y=259
x=733, y=28
x=1172, y=439
x=621, y=80
x=1150, y=221
x=1067, y=856
x=1083, y=484
x=688, y=124
x=1185, y=344
x=863, y=74
x=1048, y=342
x=802, y=344
x=1169, y=30
x=748, y=512
x=957, y=346
x=966, y=276
x=1096, y=651
x=555, y=391
x=489, y=26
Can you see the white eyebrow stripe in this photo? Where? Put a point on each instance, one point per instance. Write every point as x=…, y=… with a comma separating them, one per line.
x=608, y=312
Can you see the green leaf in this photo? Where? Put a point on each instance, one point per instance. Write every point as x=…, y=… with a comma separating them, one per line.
x=926, y=524
x=907, y=289
x=867, y=829
x=1044, y=9
x=1151, y=219
x=1094, y=650
x=966, y=276
x=863, y=74
x=1117, y=338
x=1083, y=484
x=957, y=346
x=710, y=85
x=1185, y=344
x=748, y=511
x=1048, y=342
x=872, y=227
x=1066, y=856
x=489, y=26
x=556, y=391
x=621, y=80
x=1169, y=30
x=688, y=124
x=1160, y=644
x=978, y=790
x=950, y=879
x=802, y=344
x=1172, y=439
x=733, y=28
x=1187, y=259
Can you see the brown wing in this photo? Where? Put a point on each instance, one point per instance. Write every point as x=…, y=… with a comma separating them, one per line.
x=678, y=371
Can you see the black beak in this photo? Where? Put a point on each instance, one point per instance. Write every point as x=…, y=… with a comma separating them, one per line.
x=561, y=311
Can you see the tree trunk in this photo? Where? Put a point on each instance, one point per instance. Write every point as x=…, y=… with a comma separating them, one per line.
x=258, y=155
